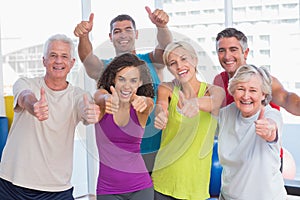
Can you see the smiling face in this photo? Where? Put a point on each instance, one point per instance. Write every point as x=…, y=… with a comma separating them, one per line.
x=230, y=54
x=182, y=65
x=123, y=36
x=248, y=96
x=127, y=82
x=58, y=61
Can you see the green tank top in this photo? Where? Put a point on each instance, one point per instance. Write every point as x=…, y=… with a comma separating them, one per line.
x=183, y=163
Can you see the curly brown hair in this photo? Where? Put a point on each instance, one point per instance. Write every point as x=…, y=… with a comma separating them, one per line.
x=107, y=79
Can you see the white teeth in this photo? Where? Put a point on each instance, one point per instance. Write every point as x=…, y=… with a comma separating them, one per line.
x=230, y=62
x=124, y=42
x=248, y=103
x=182, y=72
x=58, y=68
x=125, y=93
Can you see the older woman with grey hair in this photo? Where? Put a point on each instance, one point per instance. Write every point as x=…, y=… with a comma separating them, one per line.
x=250, y=139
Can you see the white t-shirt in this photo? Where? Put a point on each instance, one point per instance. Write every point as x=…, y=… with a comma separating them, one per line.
x=251, y=165
x=39, y=154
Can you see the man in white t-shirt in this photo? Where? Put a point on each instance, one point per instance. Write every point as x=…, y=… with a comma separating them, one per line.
x=37, y=160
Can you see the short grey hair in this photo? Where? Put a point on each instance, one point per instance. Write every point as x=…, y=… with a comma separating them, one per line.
x=232, y=32
x=245, y=72
x=62, y=38
x=174, y=45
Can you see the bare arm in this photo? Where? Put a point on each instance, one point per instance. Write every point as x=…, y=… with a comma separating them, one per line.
x=164, y=35
x=162, y=104
x=213, y=101
x=288, y=100
x=109, y=103
x=93, y=65
x=26, y=100
x=38, y=108
x=143, y=107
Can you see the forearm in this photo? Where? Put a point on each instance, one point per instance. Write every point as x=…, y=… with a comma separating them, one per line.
x=292, y=103
x=206, y=104
x=26, y=100
x=213, y=102
x=92, y=64
x=150, y=105
x=99, y=98
x=85, y=48
x=164, y=37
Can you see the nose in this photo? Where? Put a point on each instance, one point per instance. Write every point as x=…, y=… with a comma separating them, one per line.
x=227, y=54
x=245, y=94
x=179, y=65
x=123, y=34
x=127, y=85
x=58, y=59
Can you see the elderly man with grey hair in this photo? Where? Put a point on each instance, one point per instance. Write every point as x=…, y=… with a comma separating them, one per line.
x=37, y=160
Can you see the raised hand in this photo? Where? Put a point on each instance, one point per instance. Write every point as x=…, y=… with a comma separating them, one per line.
x=158, y=17
x=161, y=118
x=265, y=128
x=91, y=111
x=112, y=101
x=40, y=108
x=84, y=27
x=139, y=103
x=189, y=107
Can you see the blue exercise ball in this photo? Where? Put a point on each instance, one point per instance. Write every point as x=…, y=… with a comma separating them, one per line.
x=216, y=171
x=3, y=133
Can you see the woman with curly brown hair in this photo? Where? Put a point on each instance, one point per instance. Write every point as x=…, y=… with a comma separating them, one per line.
x=125, y=96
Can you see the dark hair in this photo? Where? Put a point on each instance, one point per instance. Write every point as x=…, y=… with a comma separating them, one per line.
x=120, y=62
x=232, y=32
x=122, y=18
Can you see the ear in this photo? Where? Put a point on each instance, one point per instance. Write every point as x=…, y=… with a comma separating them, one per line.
x=246, y=53
x=110, y=36
x=263, y=98
x=72, y=63
x=136, y=34
x=44, y=60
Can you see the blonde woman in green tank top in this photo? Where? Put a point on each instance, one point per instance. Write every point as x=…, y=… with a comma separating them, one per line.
x=186, y=111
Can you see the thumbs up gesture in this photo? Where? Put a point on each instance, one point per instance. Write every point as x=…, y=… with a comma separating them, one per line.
x=158, y=17
x=189, y=107
x=91, y=111
x=83, y=28
x=40, y=108
x=112, y=101
x=139, y=103
x=265, y=127
x=161, y=118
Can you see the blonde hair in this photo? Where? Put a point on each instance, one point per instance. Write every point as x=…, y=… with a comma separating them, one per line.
x=175, y=45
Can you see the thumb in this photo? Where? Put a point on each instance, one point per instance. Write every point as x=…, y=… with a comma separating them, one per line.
x=133, y=96
x=86, y=99
x=113, y=90
x=262, y=113
x=91, y=19
x=148, y=10
x=43, y=95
